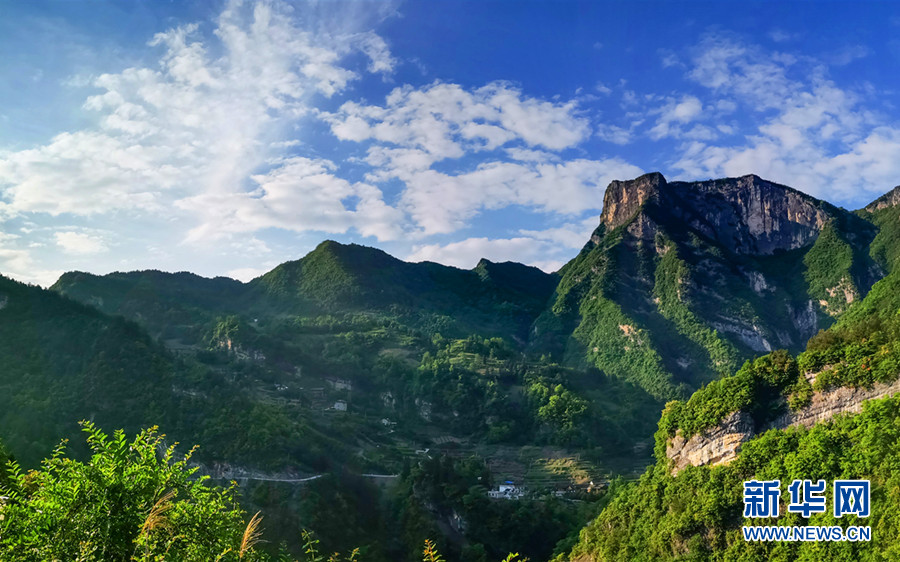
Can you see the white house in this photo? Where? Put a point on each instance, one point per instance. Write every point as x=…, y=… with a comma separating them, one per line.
x=507, y=491
x=340, y=406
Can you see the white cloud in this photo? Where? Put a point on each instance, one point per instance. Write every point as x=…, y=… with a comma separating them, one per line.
x=782, y=36
x=466, y=253
x=674, y=114
x=615, y=134
x=570, y=236
x=669, y=59
x=80, y=243
x=194, y=125
x=809, y=133
x=528, y=155
x=727, y=66
x=299, y=194
x=447, y=121
x=849, y=54
x=443, y=203
x=374, y=47
x=441, y=123
x=19, y=264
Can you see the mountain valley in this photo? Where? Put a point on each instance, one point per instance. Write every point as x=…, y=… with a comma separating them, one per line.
x=349, y=379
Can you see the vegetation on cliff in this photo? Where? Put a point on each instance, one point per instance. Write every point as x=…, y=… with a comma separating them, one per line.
x=697, y=514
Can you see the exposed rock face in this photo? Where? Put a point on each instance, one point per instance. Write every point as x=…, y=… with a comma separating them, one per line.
x=804, y=319
x=623, y=198
x=721, y=444
x=889, y=199
x=751, y=215
x=752, y=336
x=841, y=400
x=748, y=215
x=718, y=445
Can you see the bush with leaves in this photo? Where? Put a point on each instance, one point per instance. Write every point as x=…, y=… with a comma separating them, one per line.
x=133, y=500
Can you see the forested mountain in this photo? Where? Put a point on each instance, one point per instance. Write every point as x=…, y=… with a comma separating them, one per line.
x=679, y=283
x=349, y=362
x=63, y=361
x=829, y=413
x=684, y=281
x=492, y=299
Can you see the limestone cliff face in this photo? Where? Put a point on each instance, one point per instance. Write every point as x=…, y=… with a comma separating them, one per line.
x=841, y=400
x=747, y=215
x=721, y=444
x=755, y=216
x=714, y=446
x=624, y=198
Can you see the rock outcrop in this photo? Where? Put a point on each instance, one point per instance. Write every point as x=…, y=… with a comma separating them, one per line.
x=829, y=403
x=718, y=445
x=624, y=198
x=721, y=444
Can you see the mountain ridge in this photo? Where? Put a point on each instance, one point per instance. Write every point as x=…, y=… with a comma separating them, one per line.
x=642, y=300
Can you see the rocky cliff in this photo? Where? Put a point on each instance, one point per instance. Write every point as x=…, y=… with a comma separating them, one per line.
x=623, y=199
x=750, y=215
x=746, y=215
x=721, y=444
x=705, y=275
x=714, y=446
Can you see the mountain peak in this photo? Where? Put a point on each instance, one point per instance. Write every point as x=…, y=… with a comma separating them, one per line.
x=623, y=198
x=889, y=199
x=747, y=214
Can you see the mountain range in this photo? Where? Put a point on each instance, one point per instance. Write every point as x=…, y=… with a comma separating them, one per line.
x=680, y=285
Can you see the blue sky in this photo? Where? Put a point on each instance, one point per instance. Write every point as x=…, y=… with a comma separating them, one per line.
x=227, y=137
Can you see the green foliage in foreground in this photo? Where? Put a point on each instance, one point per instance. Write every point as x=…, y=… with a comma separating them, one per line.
x=697, y=515
x=132, y=501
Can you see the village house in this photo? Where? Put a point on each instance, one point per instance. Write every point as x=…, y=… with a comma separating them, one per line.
x=507, y=491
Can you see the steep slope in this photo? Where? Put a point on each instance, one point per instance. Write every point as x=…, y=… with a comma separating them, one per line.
x=885, y=213
x=683, y=281
x=831, y=413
